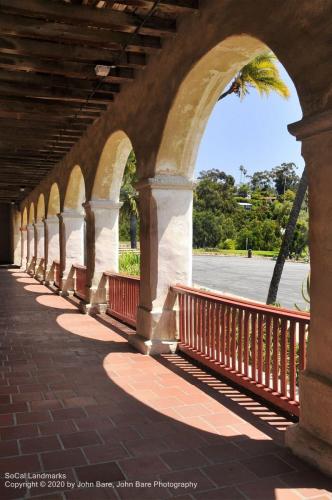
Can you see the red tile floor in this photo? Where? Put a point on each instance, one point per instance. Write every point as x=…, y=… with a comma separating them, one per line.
x=77, y=400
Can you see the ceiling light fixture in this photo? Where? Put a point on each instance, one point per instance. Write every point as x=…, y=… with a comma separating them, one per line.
x=102, y=70
x=22, y=188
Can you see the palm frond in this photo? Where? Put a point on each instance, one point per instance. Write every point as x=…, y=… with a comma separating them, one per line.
x=262, y=74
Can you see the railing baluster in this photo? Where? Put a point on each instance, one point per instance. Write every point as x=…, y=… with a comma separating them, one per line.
x=292, y=361
x=246, y=343
x=123, y=297
x=223, y=334
x=253, y=345
x=218, y=333
x=260, y=349
x=240, y=340
x=228, y=334
x=302, y=346
x=234, y=335
x=283, y=357
x=275, y=354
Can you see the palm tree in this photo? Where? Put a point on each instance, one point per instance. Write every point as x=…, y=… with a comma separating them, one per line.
x=287, y=238
x=129, y=197
x=262, y=74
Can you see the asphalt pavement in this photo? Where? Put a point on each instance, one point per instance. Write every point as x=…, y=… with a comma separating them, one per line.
x=250, y=278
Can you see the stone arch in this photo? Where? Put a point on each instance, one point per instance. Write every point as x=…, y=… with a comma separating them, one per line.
x=75, y=192
x=196, y=96
x=111, y=166
x=31, y=217
x=41, y=207
x=54, y=200
x=25, y=217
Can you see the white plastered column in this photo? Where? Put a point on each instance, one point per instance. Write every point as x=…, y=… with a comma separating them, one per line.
x=24, y=248
x=40, y=248
x=311, y=438
x=52, y=244
x=165, y=205
x=104, y=217
x=31, y=248
x=72, y=245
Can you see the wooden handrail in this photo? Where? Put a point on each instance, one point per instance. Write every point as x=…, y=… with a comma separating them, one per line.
x=244, y=303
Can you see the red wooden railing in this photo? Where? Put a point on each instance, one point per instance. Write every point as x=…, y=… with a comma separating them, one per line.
x=123, y=297
x=56, y=271
x=80, y=276
x=260, y=347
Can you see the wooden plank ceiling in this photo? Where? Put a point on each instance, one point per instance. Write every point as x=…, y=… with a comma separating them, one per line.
x=49, y=90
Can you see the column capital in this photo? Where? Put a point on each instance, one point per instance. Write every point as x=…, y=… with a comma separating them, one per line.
x=52, y=219
x=70, y=214
x=166, y=182
x=311, y=125
x=94, y=205
x=39, y=223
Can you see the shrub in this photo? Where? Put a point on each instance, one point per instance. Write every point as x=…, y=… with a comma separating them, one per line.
x=229, y=244
x=129, y=263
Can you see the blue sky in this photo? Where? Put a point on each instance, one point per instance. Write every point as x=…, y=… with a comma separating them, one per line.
x=252, y=132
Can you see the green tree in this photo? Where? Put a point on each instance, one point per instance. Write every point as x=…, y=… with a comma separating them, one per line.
x=285, y=177
x=129, y=197
x=262, y=74
x=215, y=191
x=206, y=229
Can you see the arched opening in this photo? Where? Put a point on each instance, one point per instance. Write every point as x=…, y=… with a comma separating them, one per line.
x=104, y=208
x=24, y=238
x=166, y=201
x=73, y=227
x=111, y=167
x=52, y=234
x=31, y=257
x=40, y=208
x=40, y=237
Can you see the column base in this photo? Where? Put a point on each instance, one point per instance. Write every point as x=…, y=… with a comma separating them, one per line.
x=308, y=447
x=152, y=347
x=66, y=293
x=92, y=309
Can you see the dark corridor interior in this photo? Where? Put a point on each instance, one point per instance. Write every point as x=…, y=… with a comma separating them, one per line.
x=5, y=233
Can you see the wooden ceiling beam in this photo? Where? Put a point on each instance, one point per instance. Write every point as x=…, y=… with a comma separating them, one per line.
x=24, y=27
x=53, y=94
x=43, y=111
x=56, y=81
x=42, y=117
x=30, y=125
x=66, y=52
x=22, y=106
x=28, y=157
x=88, y=16
x=171, y=6
x=67, y=69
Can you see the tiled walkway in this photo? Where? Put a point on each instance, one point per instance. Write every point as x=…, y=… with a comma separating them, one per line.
x=75, y=399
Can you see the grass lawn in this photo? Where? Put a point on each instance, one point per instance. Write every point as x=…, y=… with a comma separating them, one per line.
x=217, y=251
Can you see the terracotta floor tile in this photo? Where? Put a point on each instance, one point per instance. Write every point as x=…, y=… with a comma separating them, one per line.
x=108, y=471
x=60, y=459
x=105, y=453
x=184, y=459
x=38, y=444
x=136, y=468
x=79, y=439
x=231, y=473
x=267, y=465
